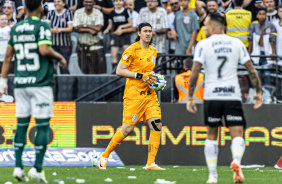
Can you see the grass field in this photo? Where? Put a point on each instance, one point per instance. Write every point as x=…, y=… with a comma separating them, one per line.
x=182, y=175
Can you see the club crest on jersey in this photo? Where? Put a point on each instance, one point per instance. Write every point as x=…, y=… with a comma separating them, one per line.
x=153, y=59
x=48, y=33
x=186, y=20
x=134, y=117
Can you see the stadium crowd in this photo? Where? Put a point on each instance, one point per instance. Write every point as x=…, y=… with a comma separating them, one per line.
x=103, y=26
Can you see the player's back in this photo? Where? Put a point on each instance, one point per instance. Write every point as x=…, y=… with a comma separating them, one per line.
x=31, y=68
x=221, y=54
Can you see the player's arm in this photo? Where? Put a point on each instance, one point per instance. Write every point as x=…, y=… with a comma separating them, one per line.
x=255, y=82
x=191, y=106
x=122, y=71
x=47, y=51
x=5, y=70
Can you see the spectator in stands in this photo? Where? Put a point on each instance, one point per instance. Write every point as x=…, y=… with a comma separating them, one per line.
x=262, y=38
x=157, y=17
x=278, y=26
x=271, y=10
x=17, y=6
x=238, y=22
x=106, y=7
x=88, y=22
x=72, y=4
x=129, y=5
x=61, y=22
x=4, y=38
x=181, y=87
x=174, y=4
x=139, y=4
x=201, y=7
x=48, y=5
x=212, y=7
x=186, y=27
x=8, y=9
x=119, y=19
x=225, y=6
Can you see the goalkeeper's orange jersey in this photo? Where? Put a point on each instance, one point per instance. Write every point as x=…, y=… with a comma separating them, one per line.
x=139, y=60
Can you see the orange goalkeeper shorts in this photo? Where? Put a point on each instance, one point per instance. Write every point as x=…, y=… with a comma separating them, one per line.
x=135, y=111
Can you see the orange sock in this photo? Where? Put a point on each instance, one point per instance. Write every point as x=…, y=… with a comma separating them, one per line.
x=116, y=140
x=154, y=143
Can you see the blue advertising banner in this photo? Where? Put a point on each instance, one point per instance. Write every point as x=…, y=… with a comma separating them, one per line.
x=65, y=157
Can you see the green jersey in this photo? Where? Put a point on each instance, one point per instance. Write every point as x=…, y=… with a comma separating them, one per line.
x=31, y=68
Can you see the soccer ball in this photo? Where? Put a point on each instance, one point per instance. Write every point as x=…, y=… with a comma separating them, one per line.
x=160, y=84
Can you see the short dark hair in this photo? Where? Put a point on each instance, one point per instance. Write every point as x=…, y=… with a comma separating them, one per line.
x=238, y=2
x=1, y=13
x=32, y=5
x=261, y=9
x=216, y=17
x=212, y=0
x=280, y=6
x=188, y=63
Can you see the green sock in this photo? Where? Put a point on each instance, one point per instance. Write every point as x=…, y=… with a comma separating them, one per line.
x=20, y=140
x=41, y=142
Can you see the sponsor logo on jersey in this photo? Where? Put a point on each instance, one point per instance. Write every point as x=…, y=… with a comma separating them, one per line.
x=24, y=80
x=124, y=57
x=134, y=117
x=221, y=43
x=214, y=120
x=119, y=18
x=41, y=105
x=25, y=27
x=234, y=118
x=230, y=89
x=144, y=92
x=153, y=59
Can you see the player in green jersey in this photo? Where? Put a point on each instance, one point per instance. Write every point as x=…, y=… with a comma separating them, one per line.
x=30, y=42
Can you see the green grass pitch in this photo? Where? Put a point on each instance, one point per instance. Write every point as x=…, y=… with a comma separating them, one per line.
x=181, y=174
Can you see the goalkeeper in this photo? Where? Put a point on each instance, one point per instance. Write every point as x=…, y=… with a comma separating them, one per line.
x=140, y=102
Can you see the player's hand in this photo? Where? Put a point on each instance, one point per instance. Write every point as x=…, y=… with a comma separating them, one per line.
x=63, y=63
x=191, y=107
x=3, y=86
x=150, y=78
x=174, y=34
x=258, y=99
x=93, y=32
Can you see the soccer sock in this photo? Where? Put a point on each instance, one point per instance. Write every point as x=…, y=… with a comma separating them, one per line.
x=211, y=153
x=238, y=148
x=154, y=143
x=116, y=140
x=20, y=140
x=41, y=142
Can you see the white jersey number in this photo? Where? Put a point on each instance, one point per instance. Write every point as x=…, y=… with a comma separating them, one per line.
x=24, y=53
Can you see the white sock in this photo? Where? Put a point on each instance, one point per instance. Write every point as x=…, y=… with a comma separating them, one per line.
x=238, y=148
x=211, y=153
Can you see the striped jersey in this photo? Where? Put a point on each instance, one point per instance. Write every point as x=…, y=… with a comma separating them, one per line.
x=61, y=21
x=71, y=3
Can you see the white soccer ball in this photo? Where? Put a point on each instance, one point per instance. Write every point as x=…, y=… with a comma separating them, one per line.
x=160, y=84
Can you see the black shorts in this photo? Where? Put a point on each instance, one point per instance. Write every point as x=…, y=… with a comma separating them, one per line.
x=231, y=110
x=120, y=41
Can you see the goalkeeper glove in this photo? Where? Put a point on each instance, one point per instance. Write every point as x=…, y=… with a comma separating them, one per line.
x=148, y=77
